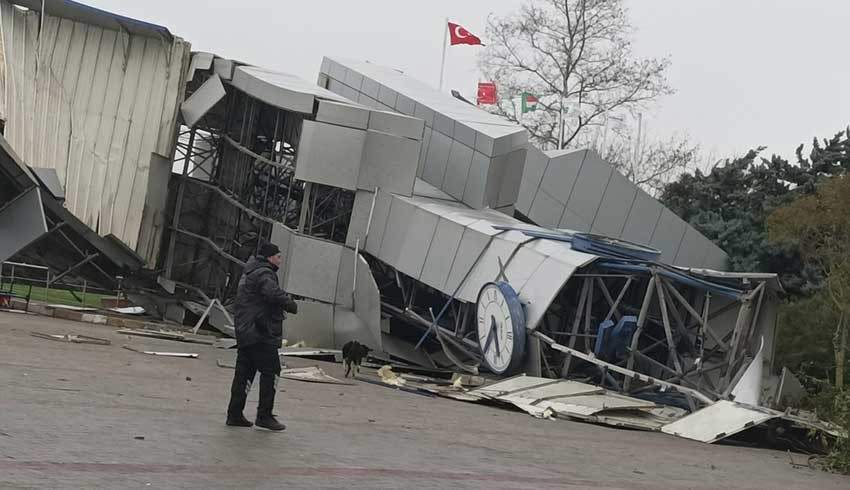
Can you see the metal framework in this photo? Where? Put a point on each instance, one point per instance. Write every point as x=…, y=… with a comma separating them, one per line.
x=236, y=179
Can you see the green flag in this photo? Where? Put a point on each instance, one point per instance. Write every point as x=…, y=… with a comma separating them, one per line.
x=529, y=102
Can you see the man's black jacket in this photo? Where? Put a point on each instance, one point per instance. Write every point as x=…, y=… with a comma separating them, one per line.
x=261, y=305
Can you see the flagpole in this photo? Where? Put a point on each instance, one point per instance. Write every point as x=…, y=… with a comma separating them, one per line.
x=445, y=41
x=561, y=124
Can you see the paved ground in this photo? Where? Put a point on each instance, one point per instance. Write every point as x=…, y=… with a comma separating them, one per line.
x=72, y=416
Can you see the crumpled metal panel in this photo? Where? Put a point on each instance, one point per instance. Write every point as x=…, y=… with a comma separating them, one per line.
x=96, y=107
x=718, y=421
x=202, y=100
x=537, y=273
x=282, y=90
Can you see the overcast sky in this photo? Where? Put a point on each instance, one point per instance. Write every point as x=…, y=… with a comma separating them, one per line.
x=747, y=72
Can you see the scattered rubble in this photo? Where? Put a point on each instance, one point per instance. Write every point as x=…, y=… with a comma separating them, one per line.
x=186, y=355
x=72, y=338
x=171, y=335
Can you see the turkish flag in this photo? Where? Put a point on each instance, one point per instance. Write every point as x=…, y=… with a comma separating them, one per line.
x=462, y=36
x=486, y=93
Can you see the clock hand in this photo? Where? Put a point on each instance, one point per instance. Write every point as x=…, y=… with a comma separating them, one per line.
x=489, y=339
x=496, y=338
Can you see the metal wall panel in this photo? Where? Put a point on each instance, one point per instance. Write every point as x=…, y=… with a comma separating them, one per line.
x=202, y=100
x=387, y=96
x=353, y=80
x=571, y=221
x=472, y=244
x=444, y=124
x=522, y=266
x=425, y=113
x=342, y=114
x=561, y=175
x=423, y=151
x=50, y=179
x=367, y=305
x=545, y=210
x=475, y=193
x=483, y=142
x=405, y=105
x=464, y=134
x=224, y=68
x=349, y=93
x=527, y=193
x=313, y=268
x=442, y=253
x=359, y=218
x=615, y=206
x=396, y=124
x=590, y=187
x=271, y=87
x=395, y=234
x=487, y=268
x=542, y=287
x=507, y=179
x=314, y=324
x=21, y=222
x=155, y=213
x=282, y=237
x=693, y=249
x=337, y=71
x=642, y=220
x=419, y=237
x=535, y=165
x=668, y=235
x=97, y=106
x=437, y=159
x=330, y=154
x=370, y=88
x=335, y=86
x=457, y=171
x=715, y=258
x=389, y=163
x=379, y=223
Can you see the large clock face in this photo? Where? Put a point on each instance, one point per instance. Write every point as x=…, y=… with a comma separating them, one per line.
x=501, y=327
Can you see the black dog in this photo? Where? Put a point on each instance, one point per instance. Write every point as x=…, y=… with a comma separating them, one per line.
x=353, y=353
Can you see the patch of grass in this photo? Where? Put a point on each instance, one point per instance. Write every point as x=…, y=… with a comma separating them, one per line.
x=56, y=296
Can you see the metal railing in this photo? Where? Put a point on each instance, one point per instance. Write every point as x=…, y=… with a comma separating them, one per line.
x=36, y=283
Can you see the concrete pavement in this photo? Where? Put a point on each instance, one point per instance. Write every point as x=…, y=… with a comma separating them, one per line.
x=86, y=416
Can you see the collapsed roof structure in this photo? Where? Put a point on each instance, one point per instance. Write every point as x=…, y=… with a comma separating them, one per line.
x=410, y=221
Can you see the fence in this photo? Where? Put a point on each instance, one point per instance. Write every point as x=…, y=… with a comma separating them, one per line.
x=36, y=283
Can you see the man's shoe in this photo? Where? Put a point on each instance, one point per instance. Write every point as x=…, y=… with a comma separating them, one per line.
x=269, y=422
x=238, y=421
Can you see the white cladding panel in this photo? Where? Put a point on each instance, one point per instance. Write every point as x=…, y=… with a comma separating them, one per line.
x=330, y=154
x=313, y=268
x=388, y=162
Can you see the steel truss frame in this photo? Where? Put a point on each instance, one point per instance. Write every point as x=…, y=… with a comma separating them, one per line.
x=236, y=180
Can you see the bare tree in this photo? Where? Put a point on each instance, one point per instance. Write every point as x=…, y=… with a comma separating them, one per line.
x=575, y=56
x=648, y=162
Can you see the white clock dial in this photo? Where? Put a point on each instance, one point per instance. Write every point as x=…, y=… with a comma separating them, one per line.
x=501, y=327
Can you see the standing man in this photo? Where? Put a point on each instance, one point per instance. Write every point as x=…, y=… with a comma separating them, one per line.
x=260, y=309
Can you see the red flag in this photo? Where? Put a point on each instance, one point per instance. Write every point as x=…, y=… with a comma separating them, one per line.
x=486, y=93
x=462, y=36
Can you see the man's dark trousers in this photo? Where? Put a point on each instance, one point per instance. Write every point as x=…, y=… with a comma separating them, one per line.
x=257, y=357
